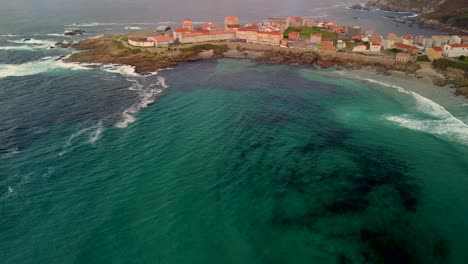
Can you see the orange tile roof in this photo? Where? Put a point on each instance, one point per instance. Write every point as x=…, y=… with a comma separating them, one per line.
x=270, y=33
x=404, y=46
x=315, y=35
x=375, y=43
x=459, y=45
x=162, y=38
x=437, y=48
x=181, y=30
x=408, y=37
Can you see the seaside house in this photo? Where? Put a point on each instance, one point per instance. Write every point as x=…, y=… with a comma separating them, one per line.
x=340, y=44
x=407, y=48
x=319, y=24
x=177, y=33
x=198, y=36
x=440, y=41
x=375, y=47
x=315, y=38
x=407, y=40
x=295, y=21
x=368, y=32
x=294, y=35
x=360, y=48
x=269, y=38
x=388, y=44
x=455, y=40
x=249, y=35
x=140, y=42
x=231, y=22
x=161, y=41
x=356, y=38
x=428, y=43
x=455, y=50
x=434, y=53
x=277, y=22
x=419, y=39
x=326, y=42
x=403, y=57
x=188, y=24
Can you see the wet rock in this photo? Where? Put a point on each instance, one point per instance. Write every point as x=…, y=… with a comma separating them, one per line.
x=75, y=32
x=64, y=44
x=26, y=39
x=359, y=7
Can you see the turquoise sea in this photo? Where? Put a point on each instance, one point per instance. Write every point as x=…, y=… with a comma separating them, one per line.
x=219, y=161
x=235, y=162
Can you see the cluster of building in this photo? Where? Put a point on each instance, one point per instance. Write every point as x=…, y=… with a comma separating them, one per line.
x=271, y=32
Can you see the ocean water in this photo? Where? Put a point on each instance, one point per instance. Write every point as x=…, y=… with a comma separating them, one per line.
x=219, y=161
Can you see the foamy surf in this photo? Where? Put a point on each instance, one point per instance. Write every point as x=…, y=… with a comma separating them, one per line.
x=37, y=67
x=442, y=123
x=96, y=135
x=147, y=97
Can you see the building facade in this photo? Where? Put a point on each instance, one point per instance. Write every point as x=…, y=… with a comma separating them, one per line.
x=140, y=42
x=206, y=36
x=434, y=53
x=455, y=50
x=161, y=41
x=269, y=38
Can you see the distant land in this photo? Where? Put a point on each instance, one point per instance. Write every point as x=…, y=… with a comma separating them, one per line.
x=448, y=15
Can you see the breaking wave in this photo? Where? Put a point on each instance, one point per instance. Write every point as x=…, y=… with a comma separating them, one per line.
x=34, y=42
x=147, y=96
x=442, y=122
x=132, y=28
x=36, y=67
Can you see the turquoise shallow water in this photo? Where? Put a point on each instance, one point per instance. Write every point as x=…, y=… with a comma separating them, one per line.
x=235, y=162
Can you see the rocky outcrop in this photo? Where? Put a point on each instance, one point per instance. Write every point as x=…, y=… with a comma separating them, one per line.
x=446, y=15
x=359, y=7
x=74, y=32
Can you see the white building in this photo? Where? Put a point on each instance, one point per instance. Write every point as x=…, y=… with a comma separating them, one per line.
x=140, y=42
x=388, y=44
x=340, y=44
x=455, y=40
x=360, y=48
x=375, y=47
x=455, y=50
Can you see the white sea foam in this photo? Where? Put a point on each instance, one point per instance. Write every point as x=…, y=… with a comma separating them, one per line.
x=36, y=67
x=96, y=135
x=125, y=70
x=132, y=28
x=10, y=190
x=147, y=96
x=10, y=153
x=34, y=42
x=442, y=123
x=91, y=24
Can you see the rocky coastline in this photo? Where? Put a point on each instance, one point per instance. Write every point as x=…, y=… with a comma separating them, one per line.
x=109, y=50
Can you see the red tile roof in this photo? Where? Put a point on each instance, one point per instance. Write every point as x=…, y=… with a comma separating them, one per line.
x=181, y=30
x=459, y=45
x=408, y=37
x=437, y=48
x=404, y=46
x=207, y=32
x=359, y=37
x=375, y=43
x=162, y=38
x=270, y=33
x=315, y=35
x=233, y=26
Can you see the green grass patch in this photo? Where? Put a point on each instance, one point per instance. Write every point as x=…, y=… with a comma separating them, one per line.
x=202, y=47
x=445, y=63
x=423, y=58
x=135, y=51
x=306, y=31
x=119, y=44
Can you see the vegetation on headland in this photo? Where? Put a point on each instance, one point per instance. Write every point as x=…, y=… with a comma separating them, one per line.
x=202, y=47
x=306, y=31
x=446, y=63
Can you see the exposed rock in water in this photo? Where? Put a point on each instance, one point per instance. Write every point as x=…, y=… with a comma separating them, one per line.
x=359, y=7
x=75, y=32
x=64, y=44
x=26, y=39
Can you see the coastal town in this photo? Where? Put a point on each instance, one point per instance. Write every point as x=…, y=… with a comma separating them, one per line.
x=308, y=35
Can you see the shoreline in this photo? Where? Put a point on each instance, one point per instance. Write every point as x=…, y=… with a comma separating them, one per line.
x=107, y=50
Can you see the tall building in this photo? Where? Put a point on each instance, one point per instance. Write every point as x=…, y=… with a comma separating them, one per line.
x=231, y=21
x=188, y=24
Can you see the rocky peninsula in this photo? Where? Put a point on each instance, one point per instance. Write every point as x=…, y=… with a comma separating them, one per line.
x=113, y=50
x=445, y=15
